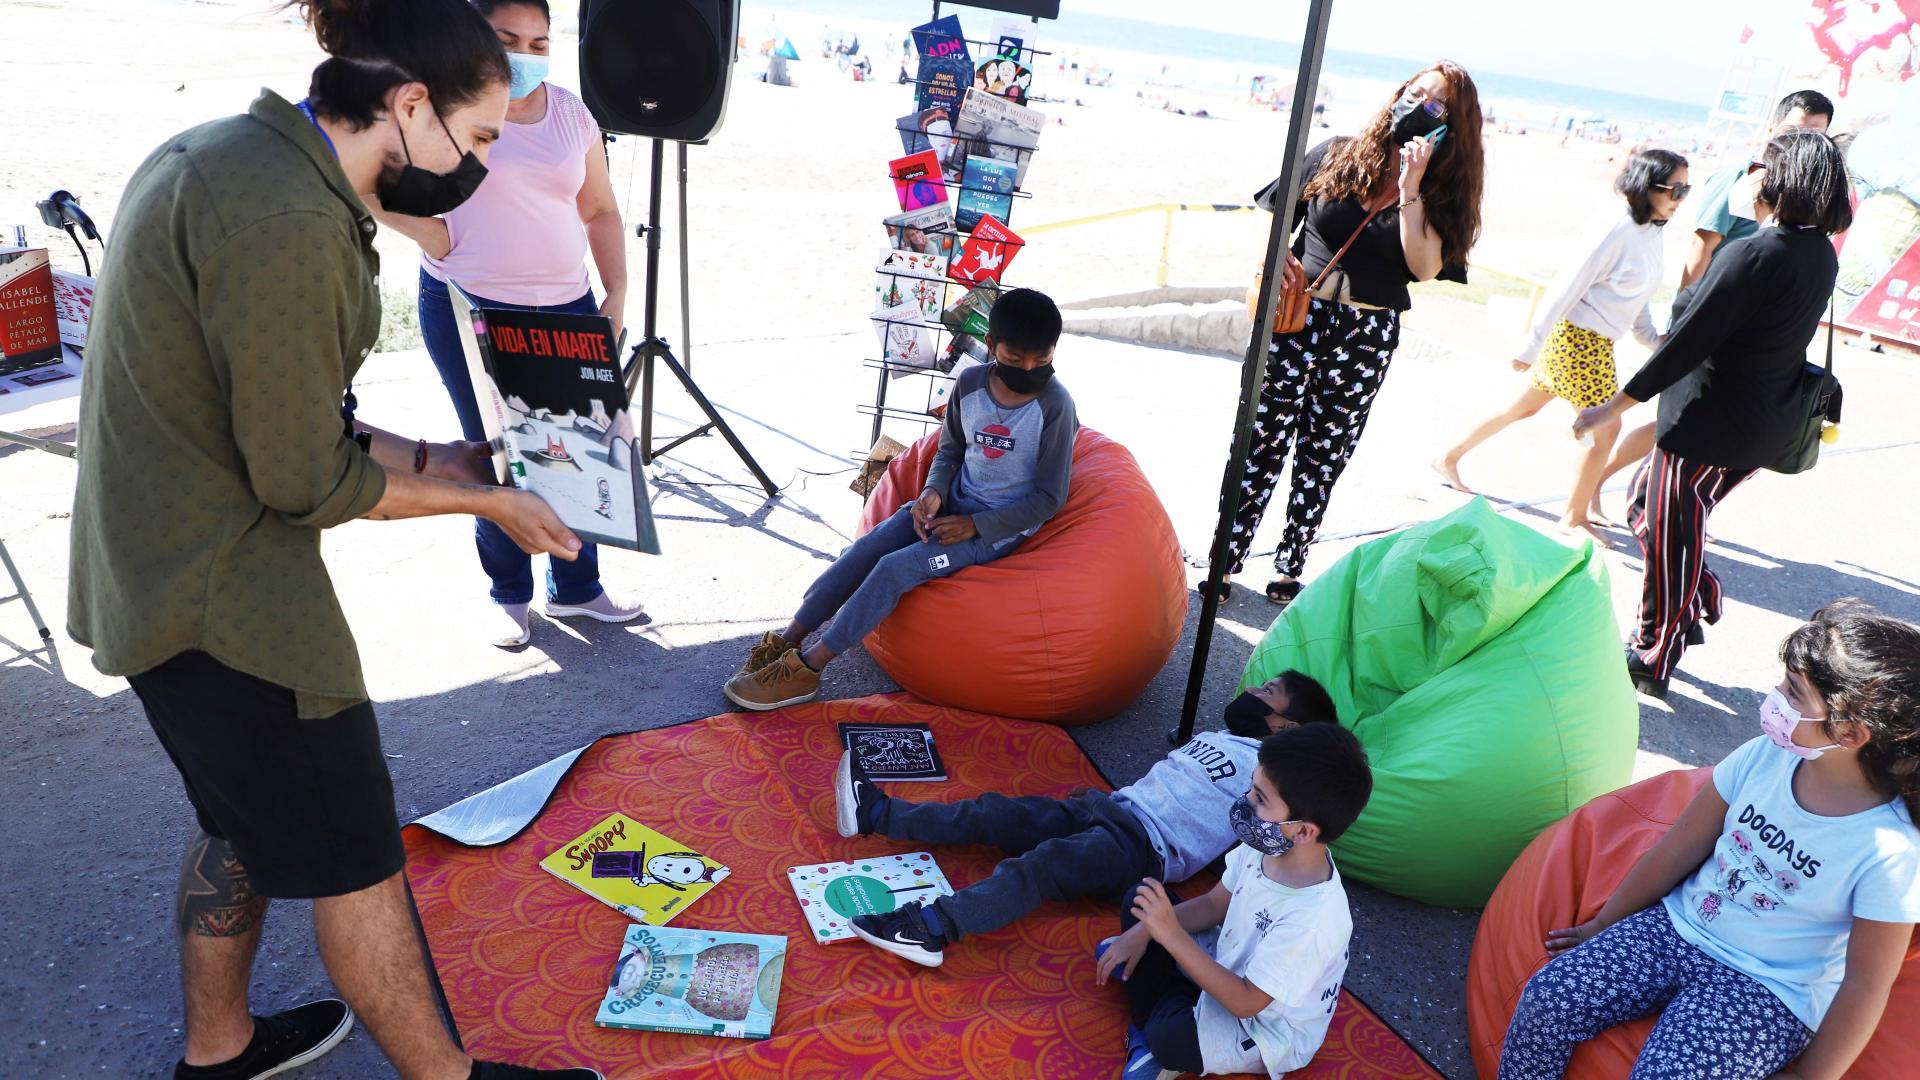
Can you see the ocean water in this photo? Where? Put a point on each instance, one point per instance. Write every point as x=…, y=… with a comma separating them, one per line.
x=1078, y=32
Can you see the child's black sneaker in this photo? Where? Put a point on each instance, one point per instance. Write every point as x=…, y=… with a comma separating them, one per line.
x=854, y=797
x=285, y=1040
x=903, y=932
x=493, y=1070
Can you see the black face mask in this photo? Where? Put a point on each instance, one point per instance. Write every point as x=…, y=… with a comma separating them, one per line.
x=1411, y=120
x=1024, y=380
x=415, y=192
x=1247, y=717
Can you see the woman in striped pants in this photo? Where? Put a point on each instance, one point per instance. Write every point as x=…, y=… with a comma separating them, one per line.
x=1727, y=377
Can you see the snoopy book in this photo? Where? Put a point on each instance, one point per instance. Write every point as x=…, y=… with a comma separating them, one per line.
x=638, y=872
x=696, y=982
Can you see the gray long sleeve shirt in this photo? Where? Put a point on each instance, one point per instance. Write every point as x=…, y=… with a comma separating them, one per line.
x=1183, y=801
x=1007, y=467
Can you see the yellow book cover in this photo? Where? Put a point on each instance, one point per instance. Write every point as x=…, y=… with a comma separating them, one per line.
x=634, y=870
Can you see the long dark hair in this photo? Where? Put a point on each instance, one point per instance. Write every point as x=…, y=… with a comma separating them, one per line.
x=1644, y=171
x=1806, y=181
x=1455, y=176
x=1866, y=666
x=375, y=45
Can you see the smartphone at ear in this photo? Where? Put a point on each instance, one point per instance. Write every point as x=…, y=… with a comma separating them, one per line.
x=1435, y=136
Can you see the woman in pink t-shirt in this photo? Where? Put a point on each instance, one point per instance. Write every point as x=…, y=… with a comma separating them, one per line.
x=521, y=242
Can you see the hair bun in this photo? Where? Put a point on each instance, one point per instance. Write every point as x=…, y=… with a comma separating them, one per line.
x=339, y=25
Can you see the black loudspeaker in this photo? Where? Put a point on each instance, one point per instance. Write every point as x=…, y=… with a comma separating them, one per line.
x=658, y=68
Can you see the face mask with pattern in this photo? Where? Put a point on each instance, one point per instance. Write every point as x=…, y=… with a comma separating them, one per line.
x=1257, y=833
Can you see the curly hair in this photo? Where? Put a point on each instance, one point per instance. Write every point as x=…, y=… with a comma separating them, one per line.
x=1354, y=168
x=1866, y=666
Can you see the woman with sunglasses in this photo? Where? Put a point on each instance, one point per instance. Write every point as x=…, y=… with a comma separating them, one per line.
x=1569, y=352
x=1406, y=193
x=1727, y=375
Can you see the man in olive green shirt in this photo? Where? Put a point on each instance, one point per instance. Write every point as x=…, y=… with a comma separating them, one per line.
x=237, y=301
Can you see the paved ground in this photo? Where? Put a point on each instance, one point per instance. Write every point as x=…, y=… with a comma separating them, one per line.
x=87, y=969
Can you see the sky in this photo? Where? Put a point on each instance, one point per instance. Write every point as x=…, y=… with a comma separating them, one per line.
x=1674, y=49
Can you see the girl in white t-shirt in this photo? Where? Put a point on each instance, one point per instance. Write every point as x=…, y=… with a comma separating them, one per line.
x=1569, y=351
x=1770, y=922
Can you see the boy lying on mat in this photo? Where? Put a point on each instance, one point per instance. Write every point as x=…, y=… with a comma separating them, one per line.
x=1259, y=995
x=1168, y=826
x=1006, y=452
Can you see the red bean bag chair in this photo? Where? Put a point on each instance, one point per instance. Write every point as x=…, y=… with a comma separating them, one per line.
x=1563, y=878
x=1068, y=629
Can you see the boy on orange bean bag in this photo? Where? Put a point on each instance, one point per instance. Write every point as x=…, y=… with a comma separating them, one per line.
x=1006, y=454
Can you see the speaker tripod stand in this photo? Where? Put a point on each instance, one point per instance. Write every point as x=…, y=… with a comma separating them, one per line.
x=654, y=348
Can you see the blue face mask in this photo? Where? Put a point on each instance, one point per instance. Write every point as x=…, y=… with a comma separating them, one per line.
x=529, y=71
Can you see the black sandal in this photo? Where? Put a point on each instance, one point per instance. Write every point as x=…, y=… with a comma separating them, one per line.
x=1225, y=594
x=1281, y=591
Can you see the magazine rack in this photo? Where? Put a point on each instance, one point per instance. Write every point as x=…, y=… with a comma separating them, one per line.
x=945, y=338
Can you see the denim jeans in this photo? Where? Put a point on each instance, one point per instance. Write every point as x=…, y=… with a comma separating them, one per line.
x=576, y=582
x=1060, y=849
x=866, y=582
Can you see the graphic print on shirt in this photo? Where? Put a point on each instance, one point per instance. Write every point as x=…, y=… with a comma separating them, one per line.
x=1218, y=763
x=995, y=440
x=1743, y=873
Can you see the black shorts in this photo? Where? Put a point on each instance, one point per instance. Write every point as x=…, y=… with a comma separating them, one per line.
x=307, y=805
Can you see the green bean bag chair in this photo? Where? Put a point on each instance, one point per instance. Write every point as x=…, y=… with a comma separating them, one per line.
x=1479, y=663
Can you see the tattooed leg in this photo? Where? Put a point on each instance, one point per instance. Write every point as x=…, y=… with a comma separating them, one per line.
x=218, y=915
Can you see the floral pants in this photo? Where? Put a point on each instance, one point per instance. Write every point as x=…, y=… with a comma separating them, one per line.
x=1714, y=1021
x=1319, y=386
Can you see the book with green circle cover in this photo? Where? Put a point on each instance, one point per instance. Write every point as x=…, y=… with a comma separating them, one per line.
x=831, y=894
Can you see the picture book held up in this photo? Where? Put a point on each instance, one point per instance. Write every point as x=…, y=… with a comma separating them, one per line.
x=555, y=410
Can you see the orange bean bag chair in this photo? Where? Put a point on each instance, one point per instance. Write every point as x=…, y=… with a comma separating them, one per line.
x=1563, y=878
x=1068, y=629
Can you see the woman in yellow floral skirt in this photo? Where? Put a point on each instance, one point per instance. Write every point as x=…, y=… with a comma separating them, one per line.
x=1569, y=353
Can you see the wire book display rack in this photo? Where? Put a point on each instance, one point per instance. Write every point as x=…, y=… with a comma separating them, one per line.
x=954, y=299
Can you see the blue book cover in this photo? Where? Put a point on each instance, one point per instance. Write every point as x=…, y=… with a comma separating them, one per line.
x=697, y=982
x=986, y=188
x=946, y=65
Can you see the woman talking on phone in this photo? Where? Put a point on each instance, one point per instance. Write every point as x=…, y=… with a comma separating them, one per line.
x=1395, y=204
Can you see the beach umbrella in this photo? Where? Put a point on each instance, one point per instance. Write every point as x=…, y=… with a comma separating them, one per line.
x=786, y=51
x=1313, y=46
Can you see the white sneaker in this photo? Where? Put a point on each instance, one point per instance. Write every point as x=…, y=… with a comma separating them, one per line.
x=506, y=627
x=605, y=607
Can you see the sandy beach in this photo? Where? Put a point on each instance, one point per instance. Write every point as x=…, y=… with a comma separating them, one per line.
x=785, y=201
x=785, y=209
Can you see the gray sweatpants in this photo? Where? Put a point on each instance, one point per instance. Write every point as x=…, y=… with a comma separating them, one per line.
x=866, y=582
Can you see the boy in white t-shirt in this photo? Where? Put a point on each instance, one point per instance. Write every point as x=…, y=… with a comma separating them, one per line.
x=1259, y=993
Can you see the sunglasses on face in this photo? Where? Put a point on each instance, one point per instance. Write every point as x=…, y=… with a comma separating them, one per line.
x=1433, y=106
x=1678, y=191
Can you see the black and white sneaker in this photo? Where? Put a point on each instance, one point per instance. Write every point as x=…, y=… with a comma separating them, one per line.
x=854, y=797
x=493, y=1070
x=285, y=1040
x=903, y=932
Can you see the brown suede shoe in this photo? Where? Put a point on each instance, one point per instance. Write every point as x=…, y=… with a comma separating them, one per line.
x=786, y=681
x=769, y=650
